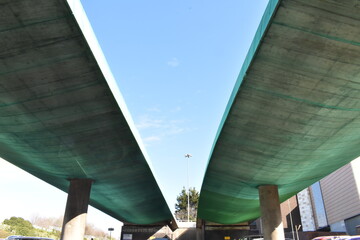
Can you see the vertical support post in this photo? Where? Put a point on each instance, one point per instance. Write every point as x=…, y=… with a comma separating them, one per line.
x=270, y=213
x=291, y=220
x=203, y=230
x=76, y=209
x=198, y=234
x=200, y=229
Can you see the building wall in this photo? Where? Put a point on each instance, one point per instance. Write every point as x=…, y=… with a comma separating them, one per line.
x=143, y=232
x=338, y=226
x=318, y=206
x=290, y=214
x=356, y=171
x=351, y=225
x=306, y=210
x=341, y=193
x=286, y=208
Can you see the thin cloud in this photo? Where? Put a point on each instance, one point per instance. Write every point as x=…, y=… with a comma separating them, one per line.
x=153, y=109
x=151, y=139
x=147, y=122
x=177, y=109
x=175, y=130
x=174, y=62
x=155, y=129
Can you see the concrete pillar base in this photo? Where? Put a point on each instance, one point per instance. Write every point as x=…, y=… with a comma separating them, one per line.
x=270, y=213
x=76, y=209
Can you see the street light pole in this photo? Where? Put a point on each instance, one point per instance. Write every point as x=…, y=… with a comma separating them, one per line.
x=188, y=198
x=110, y=230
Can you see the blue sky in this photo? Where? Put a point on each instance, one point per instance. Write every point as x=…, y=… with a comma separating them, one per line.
x=175, y=62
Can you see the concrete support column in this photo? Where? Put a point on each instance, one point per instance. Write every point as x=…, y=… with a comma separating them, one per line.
x=76, y=209
x=270, y=213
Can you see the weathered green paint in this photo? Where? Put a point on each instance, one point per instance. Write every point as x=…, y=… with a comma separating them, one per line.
x=59, y=119
x=294, y=114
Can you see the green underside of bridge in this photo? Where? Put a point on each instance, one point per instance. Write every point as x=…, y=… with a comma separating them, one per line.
x=59, y=119
x=292, y=119
x=294, y=115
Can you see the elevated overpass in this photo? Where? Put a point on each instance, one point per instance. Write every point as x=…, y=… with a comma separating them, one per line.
x=63, y=119
x=294, y=114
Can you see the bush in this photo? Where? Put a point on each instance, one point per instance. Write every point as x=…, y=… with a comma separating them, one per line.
x=19, y=226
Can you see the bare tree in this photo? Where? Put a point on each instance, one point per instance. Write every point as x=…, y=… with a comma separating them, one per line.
x=91, y=230
x=46, y=222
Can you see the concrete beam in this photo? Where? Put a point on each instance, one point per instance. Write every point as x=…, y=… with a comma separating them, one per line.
x=270, y=213
x=76, y=209
x=172, y=224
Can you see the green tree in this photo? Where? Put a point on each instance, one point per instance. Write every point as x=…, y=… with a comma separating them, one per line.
x=19, y=226
x=181, y=205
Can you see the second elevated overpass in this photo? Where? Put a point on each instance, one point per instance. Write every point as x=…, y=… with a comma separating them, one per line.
x=294, y=114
